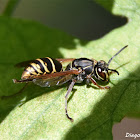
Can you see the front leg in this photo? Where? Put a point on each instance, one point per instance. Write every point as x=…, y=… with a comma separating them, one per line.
x=95, y=83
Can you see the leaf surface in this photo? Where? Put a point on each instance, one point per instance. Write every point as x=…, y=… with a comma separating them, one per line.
x=94, y=111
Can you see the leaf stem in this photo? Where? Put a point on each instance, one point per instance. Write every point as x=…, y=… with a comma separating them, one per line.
x=10, y=7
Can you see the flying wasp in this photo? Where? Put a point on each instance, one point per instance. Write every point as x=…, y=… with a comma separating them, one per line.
x=47, y=72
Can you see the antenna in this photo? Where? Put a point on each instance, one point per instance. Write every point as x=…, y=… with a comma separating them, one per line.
x=116, y=54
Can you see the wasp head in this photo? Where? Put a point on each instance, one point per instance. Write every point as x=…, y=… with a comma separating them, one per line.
x=101, y=69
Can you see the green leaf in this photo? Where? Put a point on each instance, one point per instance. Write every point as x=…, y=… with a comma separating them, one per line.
x=94, y=111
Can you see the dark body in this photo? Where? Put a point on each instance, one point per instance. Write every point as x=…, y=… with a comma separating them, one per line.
x=83, y=64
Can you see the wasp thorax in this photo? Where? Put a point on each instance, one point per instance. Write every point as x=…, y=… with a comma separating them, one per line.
x=101, y=70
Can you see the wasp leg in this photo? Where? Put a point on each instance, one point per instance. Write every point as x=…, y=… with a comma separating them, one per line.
x=94, y=82
x=66, y=98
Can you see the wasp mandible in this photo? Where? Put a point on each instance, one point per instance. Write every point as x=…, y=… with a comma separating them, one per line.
x=47, y=72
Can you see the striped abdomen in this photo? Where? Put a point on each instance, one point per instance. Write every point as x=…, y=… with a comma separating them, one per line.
x=41, y=66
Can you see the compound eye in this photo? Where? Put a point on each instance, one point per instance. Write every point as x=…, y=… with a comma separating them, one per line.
x=101, y=74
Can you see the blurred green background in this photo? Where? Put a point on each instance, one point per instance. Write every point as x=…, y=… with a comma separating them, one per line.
x=82, y=18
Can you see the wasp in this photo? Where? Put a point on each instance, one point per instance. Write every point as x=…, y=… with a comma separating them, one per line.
x=47, y=72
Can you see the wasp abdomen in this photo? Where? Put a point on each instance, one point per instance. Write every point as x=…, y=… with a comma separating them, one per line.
x=41, y=66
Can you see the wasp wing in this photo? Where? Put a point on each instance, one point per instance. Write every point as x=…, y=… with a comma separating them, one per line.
x=53, y=79
x=26, y=63
x=65, y=60
x=23, y=64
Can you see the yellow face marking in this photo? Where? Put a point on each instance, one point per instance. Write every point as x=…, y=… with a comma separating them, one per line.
x=107, y=76
x=53, y=66
x=98, y=74
x=44, y=65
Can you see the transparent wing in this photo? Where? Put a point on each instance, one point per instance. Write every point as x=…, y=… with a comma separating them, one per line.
x=65, y=60
x=23, y=64
x=53, y=79
x=26, y=63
